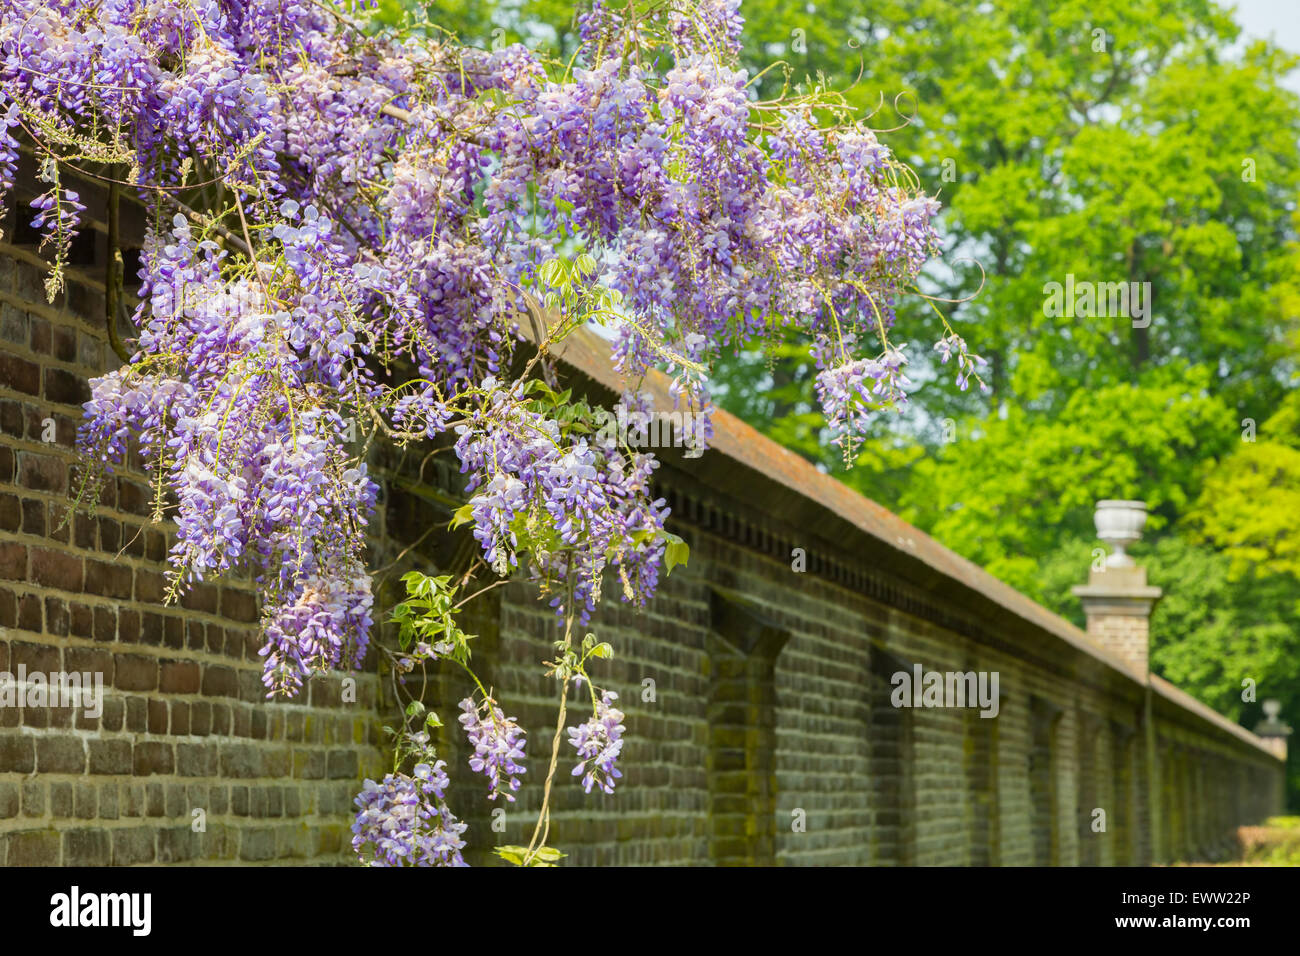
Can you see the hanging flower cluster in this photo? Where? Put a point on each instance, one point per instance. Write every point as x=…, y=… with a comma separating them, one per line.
x=498, y=744
x=351, y=232
x=404, y=821
x=599, y=742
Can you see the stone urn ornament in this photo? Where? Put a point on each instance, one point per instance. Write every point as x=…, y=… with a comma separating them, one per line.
x=1119, y=524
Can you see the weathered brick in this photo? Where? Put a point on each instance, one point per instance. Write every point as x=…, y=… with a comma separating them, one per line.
x=110, y=756
x=42, y=473
x=256, y=844
x=219, y=681
x=33, y=798
x=110, y=534
x=109, y=801
x=342, y=764
x=180, y=718
x=33, y=522
x=32, y=848
x=9, y=799
x=136, y=672
x=61, y=799
x=133, y=540
x=177, y=844
x=238, y=605
x=65, y=344
x=19, y=374
x=197, y=760
x=57, y=620
x=85, y=801
x=151, y=627
x=137, y=715
x=150, y=587
x=13, y=324
x=65, y=388
x=105, y=626
x=82, y=619
x=114, y=713
x=133, y=845
x=201, y=718
x=157, y=717
x=240, y=760
x=200, y=597
x=60, y=755
x=8, y=608
x=87, y=848
x=153, y=757
x=56, y=569
x=108, y=580
x=134, y=498
x=90, y=660
x=42, y=338
x=179, y=677
x=13, y=561
x=29, y=613
x=11, y=513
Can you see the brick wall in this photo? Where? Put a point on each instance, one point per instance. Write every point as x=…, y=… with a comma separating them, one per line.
x=184, y=724
x=760, y=728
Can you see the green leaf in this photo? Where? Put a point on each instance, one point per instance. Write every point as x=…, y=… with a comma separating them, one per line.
x=677, y=551
x=512, y=854
x=463, y=515
x=542, y=856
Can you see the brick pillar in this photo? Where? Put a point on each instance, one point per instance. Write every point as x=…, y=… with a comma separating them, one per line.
x=1118, y=603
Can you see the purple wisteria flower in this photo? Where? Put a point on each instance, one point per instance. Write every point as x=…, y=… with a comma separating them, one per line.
x=404, y=821
x=398, y=196
x=498, y=744
x=599, y=742
x=852, y=391
x=968, y=364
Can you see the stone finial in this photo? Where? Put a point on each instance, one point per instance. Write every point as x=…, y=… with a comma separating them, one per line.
x=1117, y=599
x=1120, y=523
x=1272, y=730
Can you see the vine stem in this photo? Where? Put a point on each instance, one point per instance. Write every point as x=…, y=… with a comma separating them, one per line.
x=544, y=815
x=113, y=277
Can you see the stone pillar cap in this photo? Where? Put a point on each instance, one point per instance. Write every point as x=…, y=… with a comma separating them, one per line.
x=1118, y=582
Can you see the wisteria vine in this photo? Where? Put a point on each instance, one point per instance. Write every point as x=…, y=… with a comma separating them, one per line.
x=360, y=233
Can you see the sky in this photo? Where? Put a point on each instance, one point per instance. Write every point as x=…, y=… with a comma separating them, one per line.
x=1278, y=20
